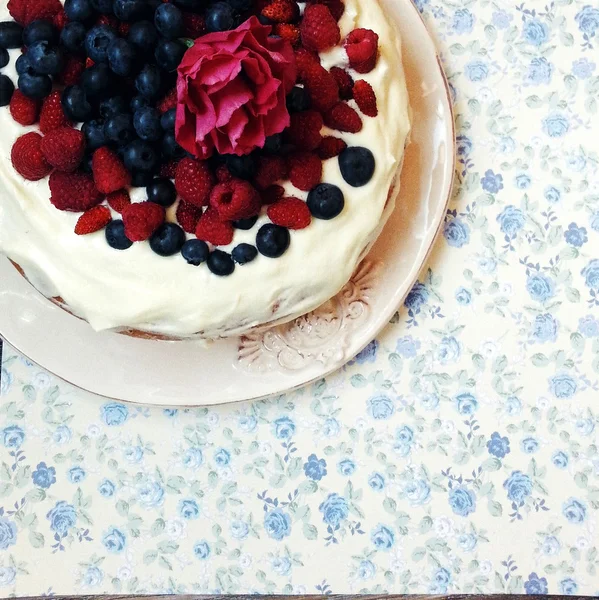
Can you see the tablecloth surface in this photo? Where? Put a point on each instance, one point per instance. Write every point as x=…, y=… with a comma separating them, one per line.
x=457, y=453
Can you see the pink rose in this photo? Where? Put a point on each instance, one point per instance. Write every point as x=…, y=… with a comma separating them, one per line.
x=231, y=90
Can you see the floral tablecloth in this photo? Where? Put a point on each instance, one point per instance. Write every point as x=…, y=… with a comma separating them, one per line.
x=458, y=453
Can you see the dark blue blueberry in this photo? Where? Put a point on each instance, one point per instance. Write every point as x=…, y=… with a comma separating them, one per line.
x=243, y=167
x=97, y=40
x=86, y=163
x=273, y=144
x=272, y=240
x=11, y=35
x=129, y=10
x=245, y=224
x=298, y=100
x=148, y=81
x=170, y=147
x=147, y=124
x=220, y=263
x=7, y=89
x=94, y=134
x=141, y=179
x=169, y=53
x=113, y=106
x=119, y=129
x=195, y=252
x=35, y=86
x=140, y=156
x=96, y=81
x=168, y=20
x=121, y=57
x=265, y=20
x=168, y=239
x=115, y=235
x=4, y=57
x=244, y=253
x=191, y=5
x=220, y=17
x=39, y=31
x=326, y=201
x=138, y=102
x=167, y=121
x=73, y=36
x=79, y=10
x=357, y=165
x=45, y=58
x=143, y=36
x=75, y=104
x=24, y=66
x=162, y=191
x=240, y=6
x=102, y=6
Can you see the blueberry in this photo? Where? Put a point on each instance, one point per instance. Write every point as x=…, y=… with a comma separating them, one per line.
x=113, y=106
x=272, y=240
x=7, y=89
x=220, y=17
x=94, y=134
x=195, y=252
x=169, y=53
x=357, y=165
x=273, y=144
x=170, y=147
x=220, y=263
x=138, y=102
x=147, y=124
x=162, y=191
x=129, y=10
x=86, y=163
x=4, y=57
x=167, y=121
x=141, y=179
x=119, y=129
x=11, y=35
x=121, y=57
x=115, y=235
x=243, y=167
x=168, y=20
x=35, y=86
x=143, y=36
x=244, y=253
x=191, y=5
x=39, y=31
x=45, y=58
x=298, y=100
x=22, y=65
x=73, y=38
x=240, y=5
x=96, y=81
x=148, y=82
x=326, y=201
x=97, y=40
x=168, y=239
x=79, y=10
x=245, y=224
x=102, y=6
x=75, y=104
x=265, y=20
x=140, y=156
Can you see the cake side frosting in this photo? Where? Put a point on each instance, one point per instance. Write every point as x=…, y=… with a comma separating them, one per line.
x=137, y=289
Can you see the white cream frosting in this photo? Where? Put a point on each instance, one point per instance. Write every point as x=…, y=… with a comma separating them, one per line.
x=139, y=289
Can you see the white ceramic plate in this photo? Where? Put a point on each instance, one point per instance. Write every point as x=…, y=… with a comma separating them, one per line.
x=195, y=373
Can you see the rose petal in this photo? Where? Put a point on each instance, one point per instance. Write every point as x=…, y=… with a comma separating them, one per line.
x=234, y=95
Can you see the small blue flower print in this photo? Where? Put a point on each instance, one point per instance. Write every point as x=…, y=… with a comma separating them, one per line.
x=466, y=403
x=366, y=569
x=539, y=72
x=535, y=32
x=501, y=19
x=170, y=412
x=430, y=401
x=456, y=232
x=6, y=379
x=467, y=542
x=498, y=446
x=283, y=428
x=591, y=274
x=277, y=524
x=574, y=510
x=8, y=533
x=544, y=328
x=281, y=565
x=62, y=517
x=463, y=145
x=583, y=68
x=76, y=475
x=376, y=482
x=595, y=221
x=368, y=355
x=448, y=351
x=477, y=70
x=462, y=501
x=193, y=458
x=513, y=405
x=248, y=423
x=585, y=426
x=518, y=487
x=239, y=530
x=7, y=576
x=417, y=492
x=346, y=467
x=556, y=125
x=552, y=194
x=381, y=407
x=382, y=537
x=536, y=584
x=62, y=435
x=463, y=21
x=106, y=488
x=202, y=550
x=114, y=413
x=12, y=436
x=463, y=296
x=522, y=181
x=189, y=509
x=511, y=220
x=114, y=540
x=133, y=454
x=563, y=386
x=575, y=235
x=92, y=577
x=529, y=445
x=589, y=326
x=404, y=438
x=44, y=476
x=331, y=427
x=568, y=586
x=407, y=347
x=491, y=182
x=540, y=287
x=150, y=494
x=550, y=545
x=588, y=20
x=222, y=457
x=560, y=459
x=334, y=509
x=442, y=577
x=315, y=468
x=417, y=297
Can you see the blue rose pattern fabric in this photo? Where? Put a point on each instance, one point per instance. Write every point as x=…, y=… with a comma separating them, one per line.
x=458, y=453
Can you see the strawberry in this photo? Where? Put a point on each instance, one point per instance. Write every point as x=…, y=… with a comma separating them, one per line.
x=64, y=148
x=26, y=11
x=292, y=213
x=92, y=220
x=169, y=101
x=344, y=82
x=336, y=7
x=305, y=170
x=109, y=171
x=365, y=98
x=270, y=169
x=304, y=130
x=73, y=69
x=214, y=231
x=330, y=147
x=288, y=32
x=24, y=110
x=343, y=117
x=188, y=216
x=272, y=193
x=319, y=30
x=74, y=192
x=52, y=115
x=234, y=200
x=142, y=219
x=119, y=200
x=362, y=46
x=321, y=87
x=282, y=11
x=194, y=25
x=27, y=157
x=194, y=181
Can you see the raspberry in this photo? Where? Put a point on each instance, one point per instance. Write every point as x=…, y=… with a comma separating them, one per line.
x=336, y=7
x=319, y=30
x=188, y=216
x=194, y=25
x=236, y=199
x=109, y=172
x=292, y=213
x=365, y=98
x=270, y=170
x=330, y=147
x=73, y=69
x=343, y=118
x=92, y=220
x=108, y=20
x=304, y=130
x=52, y=115
x=74, y=192
x=282, y=11
x=89, y=63
x=305, y=170
x=168, y=169
x=123, y=28
x=344, y=82
x=362, y=46
x=60, y=19
x=64, y=148
x=119, y=200
x=142, y=219
x=305, y=60
x=194, y=181
x=214, y=231
x=271, y=194
x=26, y=11
x=27, y=157
x=321, y=87
x=24, y=110
x=288, y=32
x=169, y=101
x=223, y=174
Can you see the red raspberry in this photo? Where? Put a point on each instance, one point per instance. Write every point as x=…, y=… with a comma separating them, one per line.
x=282, y=11
x=26, y=11
x=362, y=47
x=64, y=148
x=305, y=60
x=236, y=199
x=188, y=216
x=92, y=220
x=74, y=192
x=52, y=115
x=271, y=194
x=319, y=30
x=109, y=20
x=194, y=181
x=304, y=130
x=321, y=87
x=119, y=200
x=343, y=118
x=292, y=213
x=27, y=157
x=288, y=32
x=142, y=219
x=89, y=63
x=344, y=82
x=365, y=98
x=194, y=24
x=336, y=7
x=73, y=69
x=214, y=231
x=168, y=169
x=305, y=170
x=330, y=147
x=169, y=101
x=60, y=20
x=270, y=169
x=109, y=171
x=123, y=28
x=223, y=174
x=24, y=110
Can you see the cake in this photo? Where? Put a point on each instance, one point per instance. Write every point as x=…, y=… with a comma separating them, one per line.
x=241, y=191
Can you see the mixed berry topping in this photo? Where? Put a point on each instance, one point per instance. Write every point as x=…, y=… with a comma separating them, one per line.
x=210, y=105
